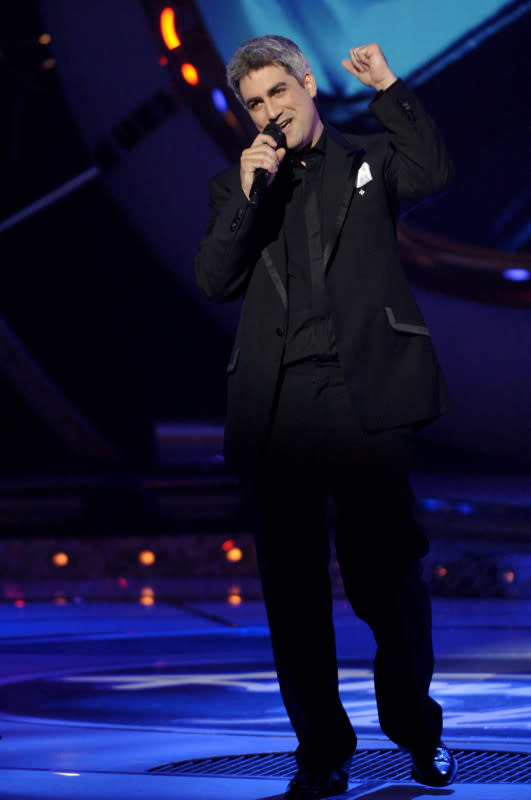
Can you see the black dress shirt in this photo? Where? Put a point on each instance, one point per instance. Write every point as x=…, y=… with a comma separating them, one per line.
x=310, y=333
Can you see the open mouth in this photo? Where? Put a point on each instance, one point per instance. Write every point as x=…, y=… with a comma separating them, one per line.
x=284, y=125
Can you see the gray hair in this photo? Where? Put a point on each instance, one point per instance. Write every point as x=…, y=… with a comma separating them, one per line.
x=261, y=52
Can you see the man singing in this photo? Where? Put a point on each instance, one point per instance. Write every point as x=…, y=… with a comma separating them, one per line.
x=331, y=373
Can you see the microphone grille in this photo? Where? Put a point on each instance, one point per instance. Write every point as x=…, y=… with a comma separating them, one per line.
x=274, y=130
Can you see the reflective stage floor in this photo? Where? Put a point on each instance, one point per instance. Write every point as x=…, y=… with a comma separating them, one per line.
x=123, y=700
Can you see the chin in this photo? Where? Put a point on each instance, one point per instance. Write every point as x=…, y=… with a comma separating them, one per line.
x=294, y=144
x=293, y=141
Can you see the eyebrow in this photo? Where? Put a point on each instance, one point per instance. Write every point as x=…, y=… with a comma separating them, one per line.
x=270, y=92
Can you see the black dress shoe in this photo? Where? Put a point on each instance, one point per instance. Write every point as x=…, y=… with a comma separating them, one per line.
x=434, y=767
x=311, y=785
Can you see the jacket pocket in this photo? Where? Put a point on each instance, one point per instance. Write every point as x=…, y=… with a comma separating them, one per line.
x=231, y=366
x=405, y=327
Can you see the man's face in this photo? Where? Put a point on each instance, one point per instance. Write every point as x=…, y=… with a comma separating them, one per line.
x=272, y=94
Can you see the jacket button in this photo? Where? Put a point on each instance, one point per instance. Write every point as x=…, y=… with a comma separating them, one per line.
x=408, y=109
x=237, y=219
x=280, y=331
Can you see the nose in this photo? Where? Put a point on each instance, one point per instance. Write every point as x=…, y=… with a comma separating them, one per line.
x=272, y=110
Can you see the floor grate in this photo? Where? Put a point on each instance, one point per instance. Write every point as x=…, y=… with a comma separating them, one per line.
x=475, y=766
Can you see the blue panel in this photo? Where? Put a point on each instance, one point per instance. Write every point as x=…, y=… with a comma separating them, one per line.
x=411, y=32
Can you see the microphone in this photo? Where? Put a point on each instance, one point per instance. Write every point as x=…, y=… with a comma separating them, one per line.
x=261, y=175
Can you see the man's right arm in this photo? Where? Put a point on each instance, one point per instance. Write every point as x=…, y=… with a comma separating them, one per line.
x=230, y=248
x=225, y=258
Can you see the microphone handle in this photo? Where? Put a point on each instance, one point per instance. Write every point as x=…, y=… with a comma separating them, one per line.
x=261, y=175
x=258, y=189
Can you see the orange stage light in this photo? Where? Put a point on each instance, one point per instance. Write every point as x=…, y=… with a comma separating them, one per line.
x=146, y=557
x=146, y=600
x=167, y=29
x=234, y=600
x=190, y=74
x=234, y=554
x=60, y=559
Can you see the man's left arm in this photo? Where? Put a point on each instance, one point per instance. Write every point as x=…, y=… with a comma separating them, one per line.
x=418, y=163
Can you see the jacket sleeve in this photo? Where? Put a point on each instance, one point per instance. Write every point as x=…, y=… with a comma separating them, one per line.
x=418, y=163
x=229, y=249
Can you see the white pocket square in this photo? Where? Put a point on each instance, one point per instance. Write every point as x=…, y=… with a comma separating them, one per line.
x=364, y=175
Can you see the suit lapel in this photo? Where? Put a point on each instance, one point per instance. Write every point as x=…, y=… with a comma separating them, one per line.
x=339, y=183
x=274, y=253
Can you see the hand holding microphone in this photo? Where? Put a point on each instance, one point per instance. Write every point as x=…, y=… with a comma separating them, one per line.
x=259, y=163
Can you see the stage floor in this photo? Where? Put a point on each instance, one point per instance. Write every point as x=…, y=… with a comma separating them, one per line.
x=118, y=699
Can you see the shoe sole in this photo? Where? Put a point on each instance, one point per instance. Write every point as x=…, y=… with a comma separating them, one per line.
x=446, y=782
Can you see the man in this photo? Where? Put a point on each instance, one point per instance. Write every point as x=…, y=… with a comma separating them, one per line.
x=332, y=369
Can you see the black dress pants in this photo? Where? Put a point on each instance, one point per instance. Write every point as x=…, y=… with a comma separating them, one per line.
x=317, y=448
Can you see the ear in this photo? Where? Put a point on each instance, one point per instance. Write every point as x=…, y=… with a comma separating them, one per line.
x=309, y=84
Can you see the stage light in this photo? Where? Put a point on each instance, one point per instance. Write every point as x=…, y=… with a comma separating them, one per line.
x=20, y=603
x=508, y=576
x=220, y=101
x=123, y=583
x=517, y=274
x=163, y=61
x=45, y=38
x=464, y=508
x=146, y=600
x=440, y=571
x=433, y=504
x=147, y=596
x=60, y=559
x=48, y=63
x=167, y=29
x=146, y=557
x=234, y=554
x=234, y=599
x=190, y=74
x=234, y=596
x=227, y=545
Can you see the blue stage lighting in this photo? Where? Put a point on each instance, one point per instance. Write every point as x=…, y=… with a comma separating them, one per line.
x=517, y=274
x=433, y=504
x=464, y=508
x=219, y=100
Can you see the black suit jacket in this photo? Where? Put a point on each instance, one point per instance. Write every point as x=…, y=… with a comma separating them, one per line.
x=384, y=346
